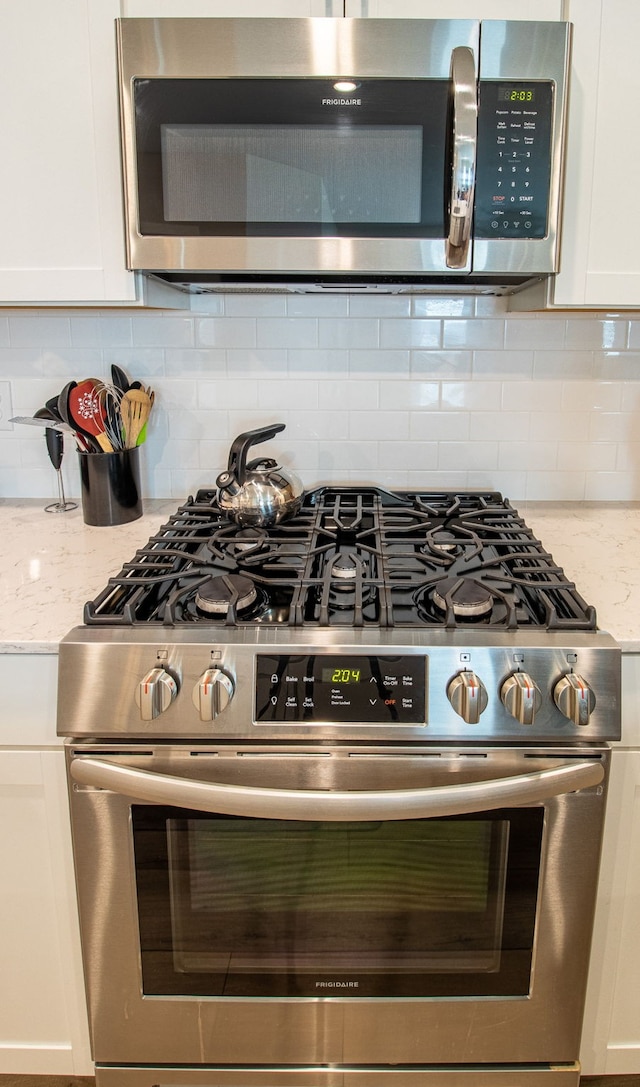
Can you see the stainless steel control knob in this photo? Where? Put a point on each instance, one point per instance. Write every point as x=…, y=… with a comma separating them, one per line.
x=212, y=693
x=155, y=693
x=468, y=696
x=521, y=697
x=574, y=698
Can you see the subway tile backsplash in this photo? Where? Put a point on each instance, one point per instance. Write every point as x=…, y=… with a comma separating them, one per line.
x=389, y=390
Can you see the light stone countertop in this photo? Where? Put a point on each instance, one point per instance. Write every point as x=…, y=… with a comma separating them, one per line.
x=52, y=563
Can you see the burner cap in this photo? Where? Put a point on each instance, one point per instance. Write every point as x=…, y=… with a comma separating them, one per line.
x=248, y=539
x=468, y=597
x=217, y=594
x=345, y=566
x=443, y=541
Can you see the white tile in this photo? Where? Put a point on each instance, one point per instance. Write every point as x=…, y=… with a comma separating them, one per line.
x=287, y=395
x=510, y=484
x=595, y=333
x=354, y=332
x=563, y=364
x=140, y=363
x=255, y=305
x=408, y=456
x=503, y=365
x=317, y=305
x=528, y=456
x=469, y=455
x=361, y=395
x=451, y=364
x=507, y=426
x=627, y=457
x=318, y=362
x=436, y=306
x=531, y=395
x=191, y=425
x=163, y=331
x=555, y=486
x=409, y=394
x=366, y=364
x=587, y=456
x=568, y=426
x=261, y=362
x=234, y=332
x=475, y=333
x=527, y=333
x=379, y=305
x=410, y=333
x=616, y=365
x=438, y=481
x=336, y=459
x=229, y=393
x=183, y=452
x=470, y=395
x=384, y=426
x=292, y=332
x=194, y=362
x=592, y=395
x=4, y=331
x=305, y=426
x=46, y=332
x=438, y=426
x=612, y=426
x=612, y=487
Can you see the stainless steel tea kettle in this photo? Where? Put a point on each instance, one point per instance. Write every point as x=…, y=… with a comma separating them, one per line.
x=260, y=493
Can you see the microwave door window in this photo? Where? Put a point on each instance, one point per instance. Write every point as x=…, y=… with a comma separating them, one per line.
x=265, y=158
x=243, y=907
x=299, y=174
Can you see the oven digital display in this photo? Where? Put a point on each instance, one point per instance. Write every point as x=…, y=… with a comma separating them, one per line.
x=342, y=689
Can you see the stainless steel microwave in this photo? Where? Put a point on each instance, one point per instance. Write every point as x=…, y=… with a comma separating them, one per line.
x=343, y=154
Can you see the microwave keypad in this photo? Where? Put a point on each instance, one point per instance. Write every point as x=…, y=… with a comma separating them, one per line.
x=514, y=159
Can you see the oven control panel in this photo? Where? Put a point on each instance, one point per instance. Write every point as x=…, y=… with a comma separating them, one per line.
x=341, y=688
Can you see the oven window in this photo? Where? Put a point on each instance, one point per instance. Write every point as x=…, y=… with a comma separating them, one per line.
x=266, y=908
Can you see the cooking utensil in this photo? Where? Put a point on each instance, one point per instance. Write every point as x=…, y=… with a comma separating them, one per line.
x=87, y=414
x=119, y=378
x=135, y=408
x=55, y=448
x=31, y=420
x=83, y=441
x=260, y=493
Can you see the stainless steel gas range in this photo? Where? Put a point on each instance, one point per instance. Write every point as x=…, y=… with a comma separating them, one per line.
x=337, y=790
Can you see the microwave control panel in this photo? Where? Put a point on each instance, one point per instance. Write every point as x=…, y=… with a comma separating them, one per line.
x=514, y=159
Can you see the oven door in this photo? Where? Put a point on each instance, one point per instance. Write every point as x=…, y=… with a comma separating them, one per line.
x=335, y=907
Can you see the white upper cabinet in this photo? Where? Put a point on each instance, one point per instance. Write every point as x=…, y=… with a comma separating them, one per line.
x=463, y=9
x=62, y=228
x=600, y=257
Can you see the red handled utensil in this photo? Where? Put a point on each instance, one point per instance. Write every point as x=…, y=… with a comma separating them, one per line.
x=87, y=413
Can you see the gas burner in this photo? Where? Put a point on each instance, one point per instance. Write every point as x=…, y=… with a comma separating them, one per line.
x=446, y=544
x=468, y=598
x=345, y=567
x=217, y=595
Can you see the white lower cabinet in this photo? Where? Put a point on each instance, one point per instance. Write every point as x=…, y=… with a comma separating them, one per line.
x=43, y=1022
x=611, y=1032
x=43, y=1026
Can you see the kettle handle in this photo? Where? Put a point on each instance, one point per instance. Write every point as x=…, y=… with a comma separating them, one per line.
x=241, y=445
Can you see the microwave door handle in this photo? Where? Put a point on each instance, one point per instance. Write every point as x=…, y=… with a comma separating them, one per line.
x=309, y=804
x=464, y=147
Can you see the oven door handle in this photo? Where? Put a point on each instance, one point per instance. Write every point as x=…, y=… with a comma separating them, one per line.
x=310, y=804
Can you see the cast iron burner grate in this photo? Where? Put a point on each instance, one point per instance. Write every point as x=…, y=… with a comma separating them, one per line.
x=352, y=557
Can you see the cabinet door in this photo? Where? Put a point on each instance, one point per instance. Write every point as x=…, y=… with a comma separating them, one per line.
x=43, y=1026
x=60, y=189
x=600, y=257
x=463, y=9
x=611, y=1031
x=203, y=8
